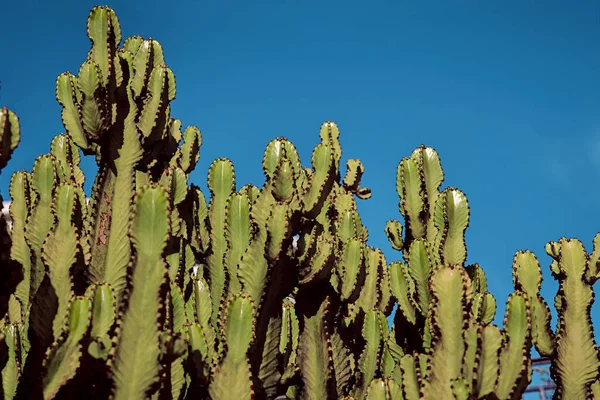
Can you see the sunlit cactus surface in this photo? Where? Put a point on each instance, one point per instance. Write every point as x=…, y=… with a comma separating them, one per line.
x=148, y=291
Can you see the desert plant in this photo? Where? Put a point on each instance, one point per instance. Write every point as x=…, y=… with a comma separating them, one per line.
x=148, y=291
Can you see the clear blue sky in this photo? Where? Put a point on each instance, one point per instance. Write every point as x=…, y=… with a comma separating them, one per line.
x=508, y=92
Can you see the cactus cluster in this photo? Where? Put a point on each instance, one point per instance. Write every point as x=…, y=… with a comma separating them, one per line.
x=445, y=311
x=146, y=290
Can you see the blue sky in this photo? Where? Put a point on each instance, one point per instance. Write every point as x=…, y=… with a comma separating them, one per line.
x=507, y=92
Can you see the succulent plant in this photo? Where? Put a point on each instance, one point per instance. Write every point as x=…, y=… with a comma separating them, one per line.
x=148, y=291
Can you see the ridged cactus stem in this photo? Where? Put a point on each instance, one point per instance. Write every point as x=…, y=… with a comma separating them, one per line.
x=221, y=182
x=577, y=361
x=10, y=135
x=135, y=363
x=448, y=318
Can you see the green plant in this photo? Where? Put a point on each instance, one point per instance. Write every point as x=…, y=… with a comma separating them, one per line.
x=148, y=291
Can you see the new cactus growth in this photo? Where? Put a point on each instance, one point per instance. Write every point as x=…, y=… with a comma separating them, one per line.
x=148, y=291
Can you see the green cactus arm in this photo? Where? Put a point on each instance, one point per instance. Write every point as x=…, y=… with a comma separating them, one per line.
x=104, y=313
x=419, y=268
x=386, y=300
x=321, y=179
x=15, y=311
x=173, y=355
x=142, y=179
x=460, y=389
x=527, y=276
x=19, y=212
x=179, y=379
x=61, y=250
x=253, y=267
x=11, y=372
x=68, y=96
x=133, y=43
x=348, y=224
x=411, y=197
x=593, y=272
x=199, y=352
x=393, y=231
x=402, y=287
x=449, y=300
x=319, y=266
x=395, y=390
x=452, y=219
x=174, y=253
x=118, y=248
x=472, y=335
x=113, y=190
x=64, y=360
x=67, y=156
x=313, y=354
x=368, y=362
x=411, y=380
x=232, y=378
x=354, y=172
x=278, y=230
x=514, y=360
x=384, y=389
x=175, y=181
x=89, y=80
x=484, y=307
x=433, y=176
x=395, y=350
x=158, y=57
x=422, y=360
x=330, y=134
x=595, y=390
x=480, y=363
x=41, y=219
x=161, y=87
x=268, y=357
x=221, y=182
x=203, y=307
x=176, y=309
x=10, y=134
x=274, y=153
x=283, y=181
x=200, y=226
x=343, y=360
x=577, y=360
x=371, y=291
x=135, y=364
x=389, y=364
x=238, y=231
x=143, y=56
x=350, y=267
x=251, y=191
x=187, y=266
x=484, y=304
x=478, y=278
x=289, y=339
x=105, y=33
x=486, y=371
x=189, y=153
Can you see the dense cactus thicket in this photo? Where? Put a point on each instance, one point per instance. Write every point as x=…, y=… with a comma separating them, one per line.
x=148, y=291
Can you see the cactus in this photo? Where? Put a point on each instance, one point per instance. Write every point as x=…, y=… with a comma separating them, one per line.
x=148, y=291
x=13, y=327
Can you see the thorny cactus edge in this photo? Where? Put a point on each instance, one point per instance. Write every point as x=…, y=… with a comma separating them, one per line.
x=147, y=291
x=445, y=310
